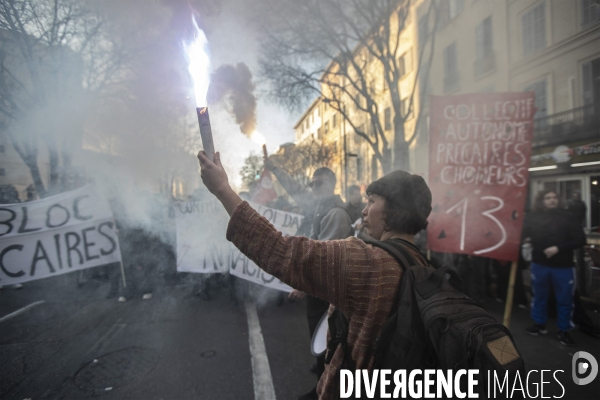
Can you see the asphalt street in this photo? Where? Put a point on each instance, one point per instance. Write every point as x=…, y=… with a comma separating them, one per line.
x=74, y=343
x=78, y=344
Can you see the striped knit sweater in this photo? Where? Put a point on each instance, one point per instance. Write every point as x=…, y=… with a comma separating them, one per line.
x=358, y=278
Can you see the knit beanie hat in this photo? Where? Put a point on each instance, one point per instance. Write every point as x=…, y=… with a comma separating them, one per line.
x=406, y=191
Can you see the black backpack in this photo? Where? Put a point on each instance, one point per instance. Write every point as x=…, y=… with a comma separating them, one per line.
x=447, y=329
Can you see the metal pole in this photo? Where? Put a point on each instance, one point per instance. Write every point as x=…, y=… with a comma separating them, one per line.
x=123, y=274
x=510, y=293
x=345, y=159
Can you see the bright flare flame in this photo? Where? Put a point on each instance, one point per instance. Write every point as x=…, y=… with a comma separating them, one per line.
x=199, y=64
x=258, y=138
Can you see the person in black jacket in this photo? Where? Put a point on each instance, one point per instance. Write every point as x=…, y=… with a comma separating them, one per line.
x=554, y=234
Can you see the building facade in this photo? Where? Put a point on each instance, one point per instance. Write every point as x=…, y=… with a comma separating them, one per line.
x=549, y=47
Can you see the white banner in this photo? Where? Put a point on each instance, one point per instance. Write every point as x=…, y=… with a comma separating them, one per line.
x=203, y=248
x=59, y=234
x=201, y=243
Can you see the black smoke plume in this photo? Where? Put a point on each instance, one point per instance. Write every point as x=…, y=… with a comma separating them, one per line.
x=234, y=83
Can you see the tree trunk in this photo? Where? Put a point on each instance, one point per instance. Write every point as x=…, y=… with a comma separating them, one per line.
x=54, y=181
x=386, y=161
x=37, y=178
x=401, y=153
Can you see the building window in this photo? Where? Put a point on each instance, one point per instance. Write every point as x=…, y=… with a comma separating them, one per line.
x=320, y=133
x=405, y=63
x=534, y=30
x=374, y=168
x=451, y=78
x=541, y=100
x=334, y=121
x=387, y=118
x=455, y=7
x=484, y=47
x=326, y=127
x=591, y=82
x=590, y=13
x=357, y=138
x=448, y=10
x=359, y=169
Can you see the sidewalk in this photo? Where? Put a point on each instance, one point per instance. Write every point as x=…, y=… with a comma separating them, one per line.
x=546, y=353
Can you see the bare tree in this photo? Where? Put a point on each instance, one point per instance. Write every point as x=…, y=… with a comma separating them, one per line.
x=301, y=161
x=340, y=50
x=56, y=57
x=253, y=165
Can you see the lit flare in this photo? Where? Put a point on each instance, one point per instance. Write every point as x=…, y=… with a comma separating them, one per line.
x=199, y=64
x=258, y=137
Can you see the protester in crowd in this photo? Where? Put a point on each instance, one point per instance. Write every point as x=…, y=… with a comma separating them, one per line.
x=359, y=279
x=553, y=234
x=280, y=203
x=146, y=253
x=140, y=251
x=354, y=203
x=30, y=191
x=329, y=220
x=9, y=195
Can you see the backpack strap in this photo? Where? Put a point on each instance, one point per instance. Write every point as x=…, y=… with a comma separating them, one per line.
x=396, y=250
x=428, y=287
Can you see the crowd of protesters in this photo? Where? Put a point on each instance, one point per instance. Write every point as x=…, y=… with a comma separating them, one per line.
x=552, y=231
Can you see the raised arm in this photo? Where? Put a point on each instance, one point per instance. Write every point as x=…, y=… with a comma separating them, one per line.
x=216, y=181
x=299, y=193
x=332, y=270
x=318, y=268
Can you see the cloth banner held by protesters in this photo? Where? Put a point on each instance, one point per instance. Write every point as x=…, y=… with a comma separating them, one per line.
x=202, y=247
x=59, y=234
x=480, y=146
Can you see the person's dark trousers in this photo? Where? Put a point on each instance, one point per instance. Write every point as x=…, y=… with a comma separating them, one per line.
x=315, y=308
x=563, y=282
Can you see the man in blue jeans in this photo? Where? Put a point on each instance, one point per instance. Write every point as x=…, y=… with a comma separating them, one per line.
x=554, y=234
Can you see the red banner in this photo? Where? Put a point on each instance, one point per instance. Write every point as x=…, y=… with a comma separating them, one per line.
x=480, y=147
